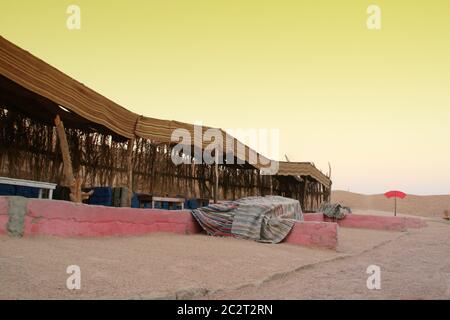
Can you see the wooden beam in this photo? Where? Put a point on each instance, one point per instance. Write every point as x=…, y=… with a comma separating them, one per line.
x=271, y=185
x=69, y=180
x=305, y=193
x=216, y=176
x=130, y=170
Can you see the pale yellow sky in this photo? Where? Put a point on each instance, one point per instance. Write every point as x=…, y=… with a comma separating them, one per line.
x=374, y=103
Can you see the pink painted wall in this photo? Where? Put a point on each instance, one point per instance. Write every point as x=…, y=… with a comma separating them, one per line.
x=312, y=233
x=3, y=214
x=60, y=218
x=371, y=221
x=67, y=219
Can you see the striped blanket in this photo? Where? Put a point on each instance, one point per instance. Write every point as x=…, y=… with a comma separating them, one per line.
x=334, y=210
x=264, y=219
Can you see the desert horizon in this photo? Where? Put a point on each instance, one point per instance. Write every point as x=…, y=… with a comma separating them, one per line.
x=419, y=205
x=382, y=193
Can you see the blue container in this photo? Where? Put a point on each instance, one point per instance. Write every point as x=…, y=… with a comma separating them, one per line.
x=135, y=201
x=193, y=204
x=7, y=190
x=102, y=197
x=27, y=192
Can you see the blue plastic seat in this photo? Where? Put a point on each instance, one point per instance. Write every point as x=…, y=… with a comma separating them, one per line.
x=135, y=201
x=27, y=192
x=7, y=190
x=193, y=203
x=102, y=196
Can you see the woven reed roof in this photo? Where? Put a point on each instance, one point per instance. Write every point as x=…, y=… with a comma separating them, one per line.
x=303, y=169
x=37, y=88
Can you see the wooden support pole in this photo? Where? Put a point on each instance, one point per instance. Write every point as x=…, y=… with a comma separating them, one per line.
x=69, y=180
x=216, y=176
x=305, y=194
x=130, y=170
x=271, y=185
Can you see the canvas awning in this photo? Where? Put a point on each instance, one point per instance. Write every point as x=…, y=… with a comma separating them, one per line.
x=38, y=90
x=39, y=77
x=53, y=88
x=303, y=169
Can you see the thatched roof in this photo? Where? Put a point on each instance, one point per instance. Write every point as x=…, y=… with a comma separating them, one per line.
x=303, y=169
x=41, y=78
x=39, y=90
x=49, y=88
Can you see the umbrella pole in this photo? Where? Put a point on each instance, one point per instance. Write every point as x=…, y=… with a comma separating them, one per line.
x=395, y=210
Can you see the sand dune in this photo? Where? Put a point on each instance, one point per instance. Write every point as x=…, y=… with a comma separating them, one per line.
x=428, y=206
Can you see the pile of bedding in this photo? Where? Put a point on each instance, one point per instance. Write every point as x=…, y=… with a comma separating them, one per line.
x=334, y=210
x=264, y=219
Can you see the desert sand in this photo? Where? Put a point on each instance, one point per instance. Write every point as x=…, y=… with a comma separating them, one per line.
x=415, y=264
x=425, y=206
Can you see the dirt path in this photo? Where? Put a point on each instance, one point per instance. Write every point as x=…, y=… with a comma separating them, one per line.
x=413, y=266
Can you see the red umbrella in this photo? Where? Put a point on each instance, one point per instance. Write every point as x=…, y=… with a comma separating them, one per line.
x=395, y=194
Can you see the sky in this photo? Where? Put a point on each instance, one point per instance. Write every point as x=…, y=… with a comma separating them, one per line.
x=373, y=103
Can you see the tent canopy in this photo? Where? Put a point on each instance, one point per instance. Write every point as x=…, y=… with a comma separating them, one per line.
x=40, y=91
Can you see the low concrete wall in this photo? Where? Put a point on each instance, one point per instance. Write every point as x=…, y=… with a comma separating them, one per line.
x=67, y=219
x=371, y=221
x=4, y=216
x=70, y=219
x=312, y=233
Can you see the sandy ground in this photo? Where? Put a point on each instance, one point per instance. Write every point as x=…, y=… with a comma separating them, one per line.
x=414, y=264
x=391, y=214
x=425, y=206
x=154, y=266
x=159, y=265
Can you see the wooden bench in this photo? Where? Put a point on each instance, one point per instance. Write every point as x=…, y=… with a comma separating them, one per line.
x=177, y=201
x=29, y=183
